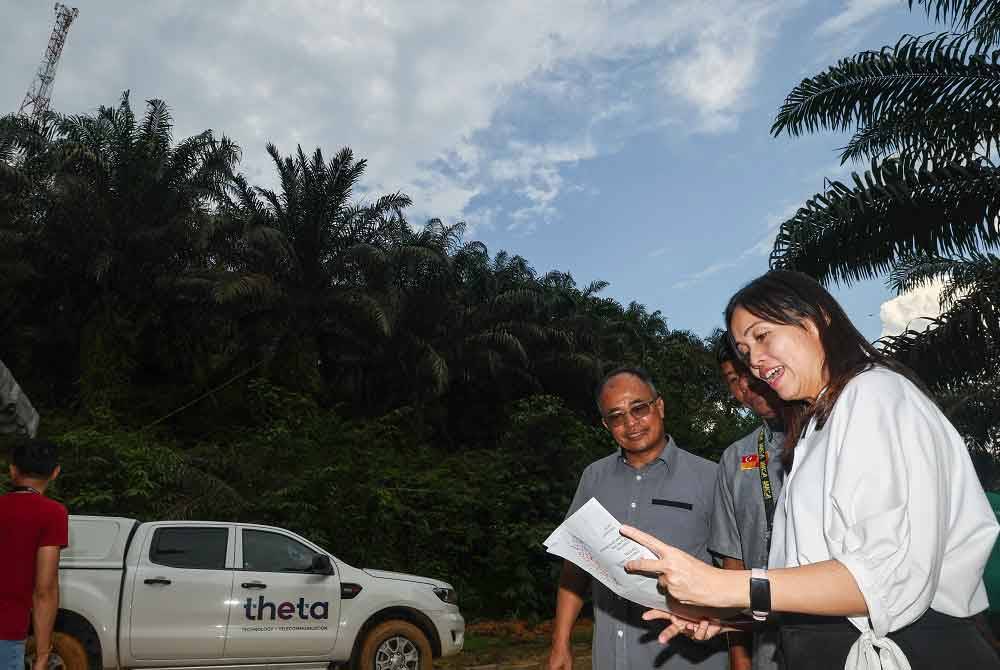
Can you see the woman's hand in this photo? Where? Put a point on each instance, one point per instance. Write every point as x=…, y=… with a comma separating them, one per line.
x=687, y=579
x=704, y=629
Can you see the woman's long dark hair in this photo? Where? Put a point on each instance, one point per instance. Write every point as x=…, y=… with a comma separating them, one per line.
x=785, y=297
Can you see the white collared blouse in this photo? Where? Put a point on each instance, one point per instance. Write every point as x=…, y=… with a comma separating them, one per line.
x=887, y=488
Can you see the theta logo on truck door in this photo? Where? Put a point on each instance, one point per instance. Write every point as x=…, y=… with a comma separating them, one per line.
x=262, y=609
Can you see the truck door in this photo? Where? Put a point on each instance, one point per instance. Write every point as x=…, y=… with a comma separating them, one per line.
x=181, y=592
x=281, y=607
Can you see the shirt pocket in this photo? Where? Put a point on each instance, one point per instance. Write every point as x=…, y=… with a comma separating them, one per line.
x=678, y=523
x=677, y=504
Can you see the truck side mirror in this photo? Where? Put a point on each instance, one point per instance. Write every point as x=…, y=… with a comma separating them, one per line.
x=321, y=565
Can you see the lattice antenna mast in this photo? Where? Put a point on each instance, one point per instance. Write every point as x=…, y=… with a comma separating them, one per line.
x=36, y=102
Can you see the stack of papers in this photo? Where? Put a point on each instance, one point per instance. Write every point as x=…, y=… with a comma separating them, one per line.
x=590, y=539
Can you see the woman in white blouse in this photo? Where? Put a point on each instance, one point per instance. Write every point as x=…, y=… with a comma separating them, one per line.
x=882, y=530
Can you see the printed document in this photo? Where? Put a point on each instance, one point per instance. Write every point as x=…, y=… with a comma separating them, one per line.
x=590, y=539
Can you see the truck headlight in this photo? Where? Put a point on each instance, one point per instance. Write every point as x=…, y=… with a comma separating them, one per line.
x=449, y=596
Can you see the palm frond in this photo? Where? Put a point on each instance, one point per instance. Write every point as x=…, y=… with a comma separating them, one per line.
x=582, y=364
x=521, y=298
x=360, y=309
x=502, y=341
x=392, y=202
x=445, y=237
x=156, y=130
x=947, y=71
x=368, y=256
x=898, y=209
x=938, y=135
x=981, y=18
x=969, y=272
x=414, y=254
x=960, y=346
x=256, y=289
x=435, y=367
x=527, y=331
x=913, y=271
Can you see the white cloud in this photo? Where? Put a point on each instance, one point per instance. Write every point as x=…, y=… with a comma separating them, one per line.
x=533, y=171
x=772, y=222
x=716, y=72
x=427, y=92
x=856, y=12
x=712, y=269
x=911, y=310
x=762, y=247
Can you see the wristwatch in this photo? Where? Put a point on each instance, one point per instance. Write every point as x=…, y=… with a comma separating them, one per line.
x=760, y=594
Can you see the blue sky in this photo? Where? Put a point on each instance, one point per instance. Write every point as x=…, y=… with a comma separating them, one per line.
x=618, y=140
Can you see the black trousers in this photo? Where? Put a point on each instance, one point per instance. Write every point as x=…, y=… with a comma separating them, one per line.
x=933, y=642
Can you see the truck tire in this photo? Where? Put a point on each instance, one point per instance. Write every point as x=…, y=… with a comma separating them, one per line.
x=68, y=653
x=395, y=645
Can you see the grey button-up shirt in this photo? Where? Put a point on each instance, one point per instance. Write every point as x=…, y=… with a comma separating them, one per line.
x=739, y=522
x=670, y=498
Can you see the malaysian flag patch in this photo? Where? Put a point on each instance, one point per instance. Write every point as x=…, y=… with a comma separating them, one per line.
x=751, y=462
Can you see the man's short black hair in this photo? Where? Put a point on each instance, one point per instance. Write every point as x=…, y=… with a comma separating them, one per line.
x=35, y=458
x=724, y=351
x=633, y=370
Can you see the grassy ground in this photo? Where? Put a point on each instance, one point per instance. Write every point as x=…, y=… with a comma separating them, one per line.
x=512, y=643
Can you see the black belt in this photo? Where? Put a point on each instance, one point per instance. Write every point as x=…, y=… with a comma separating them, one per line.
x=930, y=618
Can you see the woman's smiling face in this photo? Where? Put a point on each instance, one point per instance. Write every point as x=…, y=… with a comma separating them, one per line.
x=788, y=357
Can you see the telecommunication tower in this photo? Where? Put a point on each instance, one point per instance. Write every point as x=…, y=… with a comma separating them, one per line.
x=36, y=102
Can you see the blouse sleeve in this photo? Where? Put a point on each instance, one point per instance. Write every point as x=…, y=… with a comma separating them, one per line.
x=887, y=511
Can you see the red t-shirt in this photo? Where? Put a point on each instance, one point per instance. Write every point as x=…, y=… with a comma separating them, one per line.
x=27, y=521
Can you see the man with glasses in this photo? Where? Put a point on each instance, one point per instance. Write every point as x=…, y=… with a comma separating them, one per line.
x=749, y=480
x=652, y=484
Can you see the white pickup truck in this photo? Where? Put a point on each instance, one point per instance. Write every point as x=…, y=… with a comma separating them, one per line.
x=177, y=594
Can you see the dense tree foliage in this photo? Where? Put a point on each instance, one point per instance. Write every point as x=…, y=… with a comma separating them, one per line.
x=299, y=356
x=924, y=113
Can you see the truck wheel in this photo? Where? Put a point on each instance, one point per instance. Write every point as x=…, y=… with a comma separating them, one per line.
x=395, y=645
x=68, y=653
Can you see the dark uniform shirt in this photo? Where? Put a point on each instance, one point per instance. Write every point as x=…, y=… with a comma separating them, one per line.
x=671, y=499
x=739, y=522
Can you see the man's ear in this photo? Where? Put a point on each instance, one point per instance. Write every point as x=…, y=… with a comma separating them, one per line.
x=55, y=473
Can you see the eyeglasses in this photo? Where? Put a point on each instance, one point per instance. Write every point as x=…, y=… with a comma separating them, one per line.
x=639, y=410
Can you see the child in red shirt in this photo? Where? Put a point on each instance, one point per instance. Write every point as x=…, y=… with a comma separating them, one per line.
x=33, y=529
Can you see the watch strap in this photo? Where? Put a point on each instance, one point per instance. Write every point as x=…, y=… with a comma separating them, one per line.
x=760, y=594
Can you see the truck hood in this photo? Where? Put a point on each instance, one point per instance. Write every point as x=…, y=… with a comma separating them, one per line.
x=403, y=577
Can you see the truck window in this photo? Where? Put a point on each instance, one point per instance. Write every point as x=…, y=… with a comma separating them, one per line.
x=272, y=552
x=197, y=548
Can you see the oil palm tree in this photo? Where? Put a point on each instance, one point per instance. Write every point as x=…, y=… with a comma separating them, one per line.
x=923, y=115
x=118, y=214
x=296, y=241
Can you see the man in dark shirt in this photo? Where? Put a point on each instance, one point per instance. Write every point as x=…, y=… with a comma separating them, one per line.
x=33, y=529
x=649, y=483
x=741, y=520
